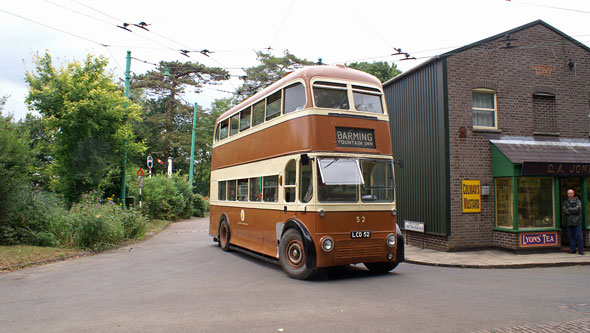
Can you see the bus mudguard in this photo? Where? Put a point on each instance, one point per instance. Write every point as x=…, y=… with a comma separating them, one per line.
x=310, y=260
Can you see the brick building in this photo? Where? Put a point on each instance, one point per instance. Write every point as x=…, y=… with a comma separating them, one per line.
x=487, y=139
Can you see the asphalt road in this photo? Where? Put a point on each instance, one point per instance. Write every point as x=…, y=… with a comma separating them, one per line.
x=181, y=281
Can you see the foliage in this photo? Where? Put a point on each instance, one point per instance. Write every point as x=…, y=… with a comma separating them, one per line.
x=204, y=141
x=87, y=117
x=271, y=69
x=39, y=138
x=381, y=69
x=167, y=126
x=98, y=225
x=200, y=205
x=168, y=198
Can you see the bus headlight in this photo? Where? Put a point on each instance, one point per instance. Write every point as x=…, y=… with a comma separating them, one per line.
x=391, y=239
x=327, y=243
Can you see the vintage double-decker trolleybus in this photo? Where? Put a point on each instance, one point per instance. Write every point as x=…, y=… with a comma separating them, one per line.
x=302, y=173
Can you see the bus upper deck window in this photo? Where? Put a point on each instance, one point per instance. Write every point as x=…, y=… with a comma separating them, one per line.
x=294, y=98
x=273, y=105
x=224, y=129
x=367, y=101
x=330, y=95
x=234, y=124
x=258, y=113
x=245, y=119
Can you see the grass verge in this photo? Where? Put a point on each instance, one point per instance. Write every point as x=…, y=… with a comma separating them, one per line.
x=17, y=256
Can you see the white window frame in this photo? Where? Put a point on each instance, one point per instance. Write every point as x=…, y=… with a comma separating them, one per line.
x=495, y=109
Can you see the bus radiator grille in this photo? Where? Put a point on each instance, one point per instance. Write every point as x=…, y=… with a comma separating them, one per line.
x=359, y=248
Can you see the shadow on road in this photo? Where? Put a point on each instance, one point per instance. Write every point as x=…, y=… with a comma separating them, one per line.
x=337, y=273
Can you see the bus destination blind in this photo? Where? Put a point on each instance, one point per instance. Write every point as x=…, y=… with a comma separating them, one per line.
x=355, y=137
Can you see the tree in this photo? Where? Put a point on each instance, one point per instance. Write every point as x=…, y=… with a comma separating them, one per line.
x=381, y=69
x=271, y=69
x=15, y=157
x=167, y=127
x=204, y=142
x=88, y=118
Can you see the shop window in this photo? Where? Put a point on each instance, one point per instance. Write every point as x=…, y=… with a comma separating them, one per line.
x=504, y=203
x=256, y=189
x=535, y=202
x=290, y=175
x=484, y=109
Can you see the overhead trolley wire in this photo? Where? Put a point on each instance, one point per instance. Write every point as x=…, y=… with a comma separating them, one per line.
x=281, y=25
x=547, y=6
x=54, y=28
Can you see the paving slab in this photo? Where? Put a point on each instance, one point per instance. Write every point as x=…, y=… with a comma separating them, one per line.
x=492, y=258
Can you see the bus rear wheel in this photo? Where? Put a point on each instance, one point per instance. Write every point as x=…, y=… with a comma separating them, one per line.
x=224, y=235
x=292, y=256
x=380, y=267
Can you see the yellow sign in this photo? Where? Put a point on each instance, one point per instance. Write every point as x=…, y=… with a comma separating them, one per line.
x=471, y=190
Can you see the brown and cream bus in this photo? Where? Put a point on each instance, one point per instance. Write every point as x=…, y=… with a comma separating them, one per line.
x=302, y=174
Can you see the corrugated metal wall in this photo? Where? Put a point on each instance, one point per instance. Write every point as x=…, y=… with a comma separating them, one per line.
x=418, y=113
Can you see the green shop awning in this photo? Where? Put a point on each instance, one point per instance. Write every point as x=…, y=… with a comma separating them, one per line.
x=531, y=156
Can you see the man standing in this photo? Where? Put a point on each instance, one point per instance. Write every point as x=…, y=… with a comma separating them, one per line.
x=572, y=207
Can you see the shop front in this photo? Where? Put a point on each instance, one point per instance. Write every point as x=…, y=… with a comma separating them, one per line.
x=531, y=180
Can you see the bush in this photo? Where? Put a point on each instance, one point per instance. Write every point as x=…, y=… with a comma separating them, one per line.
x=168, y=198
x=28, y=217
x=200, y=205
x=100, y=226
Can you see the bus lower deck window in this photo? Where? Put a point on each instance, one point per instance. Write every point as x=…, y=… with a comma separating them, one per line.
x=270, y=191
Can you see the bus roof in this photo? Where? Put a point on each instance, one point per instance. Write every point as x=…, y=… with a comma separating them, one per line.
x=307, y=73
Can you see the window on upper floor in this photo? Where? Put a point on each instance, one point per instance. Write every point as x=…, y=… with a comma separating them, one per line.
x=484, y=108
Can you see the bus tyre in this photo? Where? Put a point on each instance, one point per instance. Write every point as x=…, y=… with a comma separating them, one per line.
x=380, y=267
x=293, y=257
x=224, y=235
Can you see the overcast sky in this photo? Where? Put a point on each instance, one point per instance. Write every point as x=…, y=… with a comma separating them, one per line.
x=337, y=31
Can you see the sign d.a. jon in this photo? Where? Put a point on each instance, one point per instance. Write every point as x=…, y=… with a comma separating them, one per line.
x=555, y=169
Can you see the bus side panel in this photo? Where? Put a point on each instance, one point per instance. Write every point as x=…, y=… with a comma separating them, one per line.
x=264, y=144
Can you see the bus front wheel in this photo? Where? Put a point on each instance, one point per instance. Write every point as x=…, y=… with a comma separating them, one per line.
x=224, y=235
x=293, y=257
x=380, y=267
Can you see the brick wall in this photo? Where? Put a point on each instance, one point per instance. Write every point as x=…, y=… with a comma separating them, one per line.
x=539, y=63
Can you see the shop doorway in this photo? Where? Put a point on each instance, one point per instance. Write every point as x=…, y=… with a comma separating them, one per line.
x=565, y=184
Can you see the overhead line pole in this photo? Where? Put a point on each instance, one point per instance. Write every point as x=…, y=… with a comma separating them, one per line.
x=193, y=146
x=124, y=164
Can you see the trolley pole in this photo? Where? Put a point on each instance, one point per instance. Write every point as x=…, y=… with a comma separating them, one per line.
x=190, y=177
x=124, y=164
